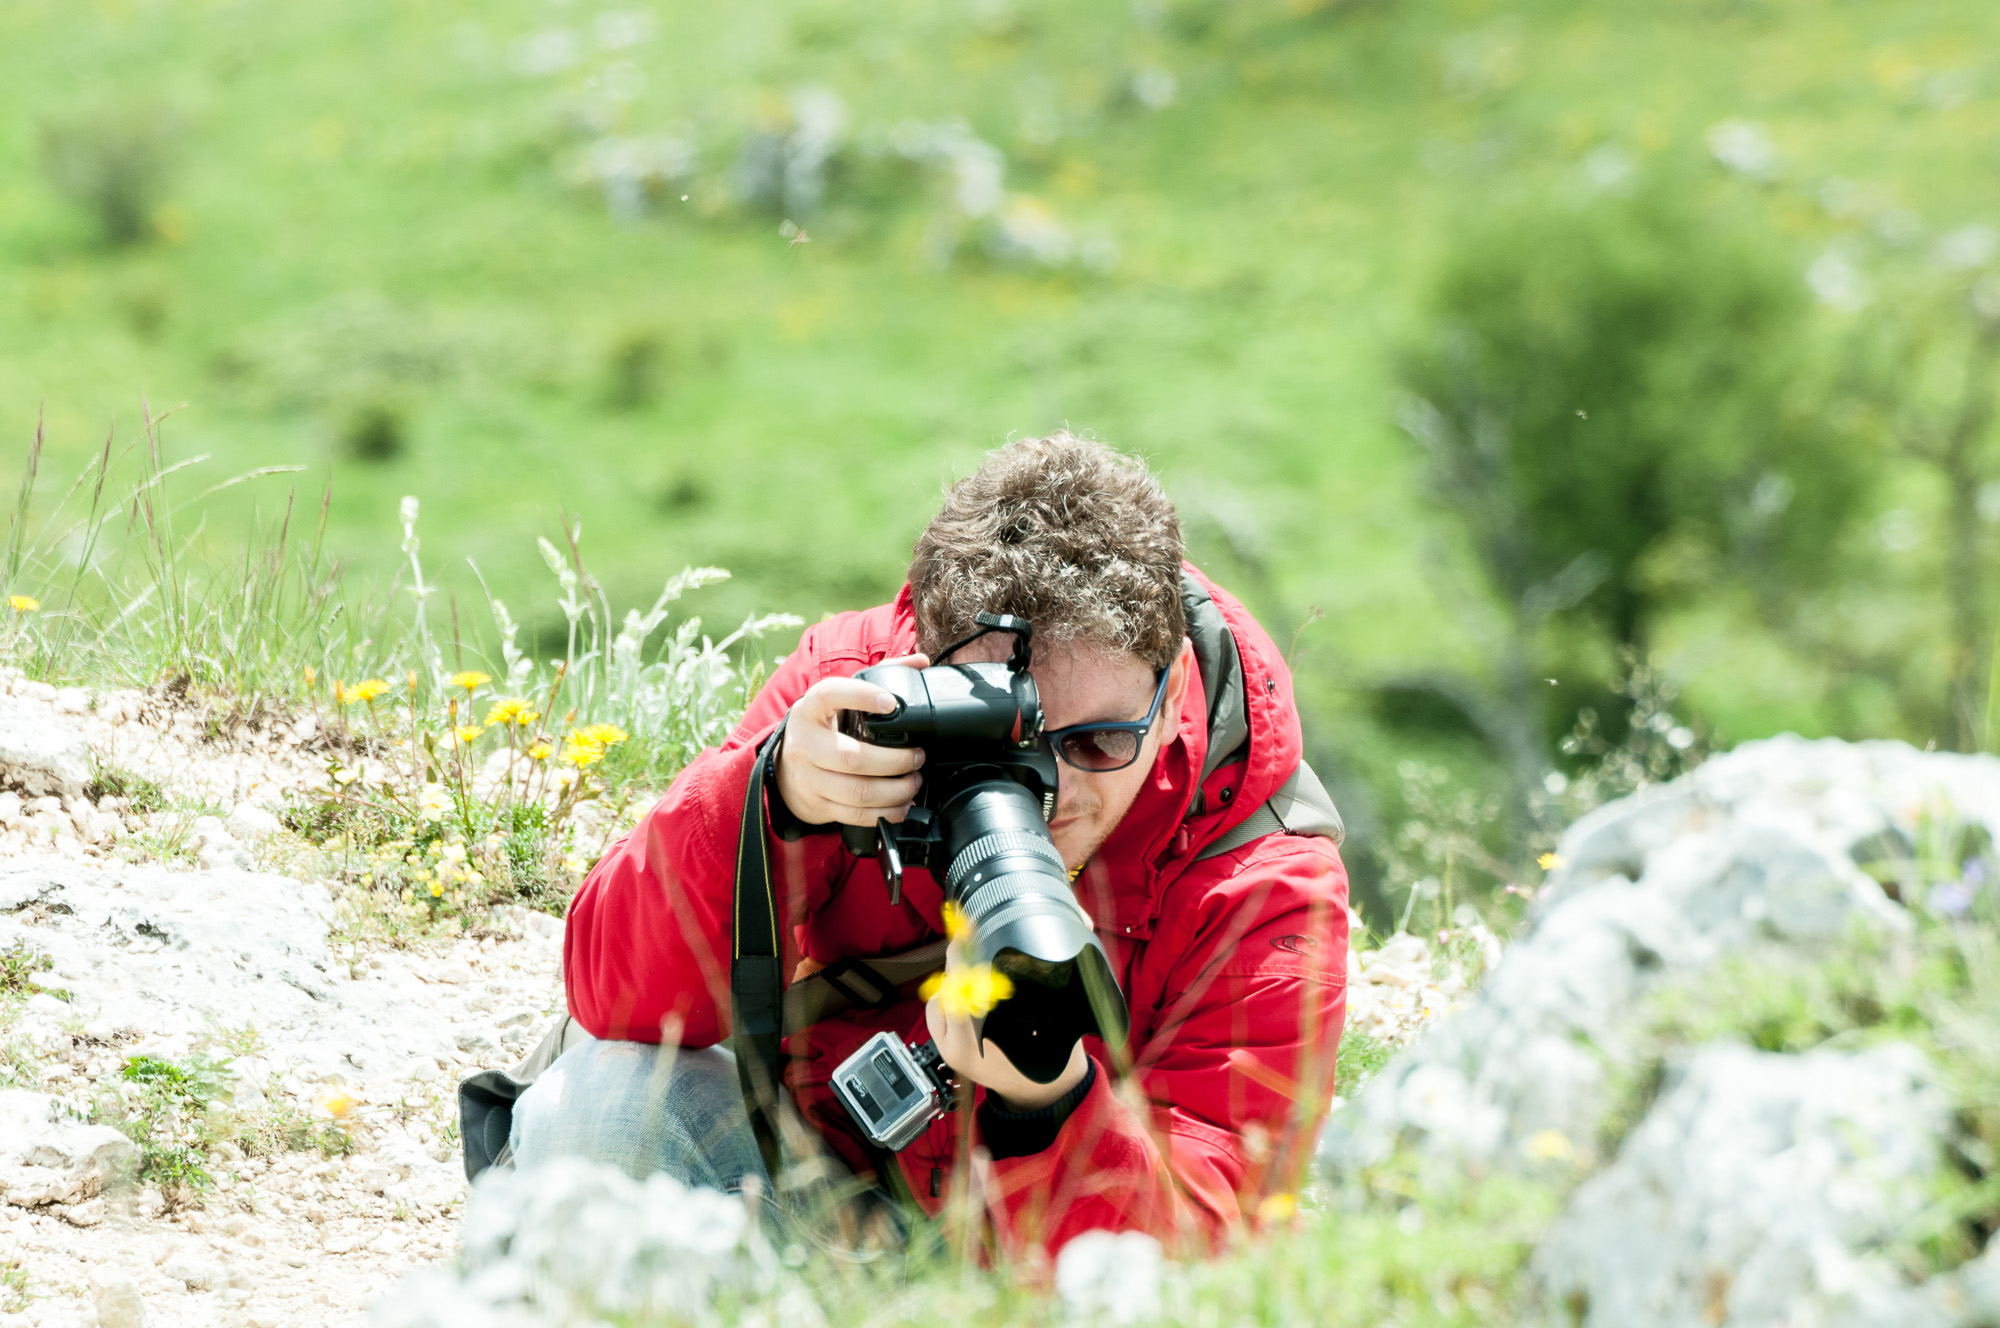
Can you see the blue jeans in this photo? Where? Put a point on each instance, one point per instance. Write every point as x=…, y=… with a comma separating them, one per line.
x=647, y=1109
x=643, y=1109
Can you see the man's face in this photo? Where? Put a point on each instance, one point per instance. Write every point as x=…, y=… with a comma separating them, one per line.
x=1084, y=685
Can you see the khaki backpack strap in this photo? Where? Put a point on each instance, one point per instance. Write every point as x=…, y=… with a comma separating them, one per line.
x=1301, y=806
x=872, y=984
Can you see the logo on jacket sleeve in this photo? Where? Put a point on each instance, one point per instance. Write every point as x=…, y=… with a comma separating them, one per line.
x=1298, y=945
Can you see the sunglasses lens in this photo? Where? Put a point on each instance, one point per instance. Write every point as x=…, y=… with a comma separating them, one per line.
x=1105, y=749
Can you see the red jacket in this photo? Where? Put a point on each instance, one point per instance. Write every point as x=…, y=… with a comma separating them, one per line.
x=1234, y=967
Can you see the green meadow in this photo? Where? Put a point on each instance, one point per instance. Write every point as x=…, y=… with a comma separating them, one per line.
x=715, y=281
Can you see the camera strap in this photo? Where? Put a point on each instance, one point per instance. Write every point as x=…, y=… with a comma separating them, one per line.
x=756, y=975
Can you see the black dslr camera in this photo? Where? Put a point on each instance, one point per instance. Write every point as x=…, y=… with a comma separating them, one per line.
x=980, y=826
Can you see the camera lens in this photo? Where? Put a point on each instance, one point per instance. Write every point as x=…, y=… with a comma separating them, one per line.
x=1007, y=877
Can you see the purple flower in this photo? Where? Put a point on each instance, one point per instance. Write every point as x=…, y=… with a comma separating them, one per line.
x=1951, y=899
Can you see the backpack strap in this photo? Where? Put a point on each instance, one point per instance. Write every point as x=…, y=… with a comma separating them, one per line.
x=1301, y=806
x=873, y=984
x=756, y=974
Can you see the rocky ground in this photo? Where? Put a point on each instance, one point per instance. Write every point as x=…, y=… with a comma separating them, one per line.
x=198, y=929
x=205, y=929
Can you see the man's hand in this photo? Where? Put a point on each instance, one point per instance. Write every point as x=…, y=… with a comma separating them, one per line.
x=978, y=1061
x=826, y=777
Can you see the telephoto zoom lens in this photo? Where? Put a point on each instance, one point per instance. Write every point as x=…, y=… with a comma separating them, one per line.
x=1007, y=878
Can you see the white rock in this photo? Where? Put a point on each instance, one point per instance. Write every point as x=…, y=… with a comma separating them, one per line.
x=194, y=1271
x=251, y=823
x=47, y=1157
x=454, y=973
x=117, y=1300
x=589, y=1240
x=38, y=754
x=72, y=700
x=1754, y=848
x=472, y=1038
x=1111, y=1277
x=1751, y=1195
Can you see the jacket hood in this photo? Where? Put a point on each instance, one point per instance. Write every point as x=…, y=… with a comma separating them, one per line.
x=1239, y=740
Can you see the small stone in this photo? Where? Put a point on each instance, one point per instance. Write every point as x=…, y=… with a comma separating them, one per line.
x=456, y=974
x=339, y=1242
x=118, y=1302
x=194, y=1273
x=86, y=1214
x=72, y=700
x=251, y=822
x=471, y=1038
x=39, y=755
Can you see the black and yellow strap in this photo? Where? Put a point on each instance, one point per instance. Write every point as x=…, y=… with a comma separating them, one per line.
x=756, y=973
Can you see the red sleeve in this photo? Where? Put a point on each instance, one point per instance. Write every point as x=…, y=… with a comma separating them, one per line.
x=1223, y=1105
x=649, y=932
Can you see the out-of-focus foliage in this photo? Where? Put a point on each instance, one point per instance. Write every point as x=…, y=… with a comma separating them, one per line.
x=1620, y=398
x=741, y=284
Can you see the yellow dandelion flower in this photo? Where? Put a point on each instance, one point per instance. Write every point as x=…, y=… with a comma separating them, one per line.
x=511, y=710
x=413, y=680
x=339, y=692
x=582, y=755
x=23, y=603
x=471, y=680
x=539, y=752
x=1549, y=861
x=1551, y=1146
x=338, y=1104
x=1277, y=1207
x=369, y=690
x=467, y=732
x=312, y=675
x=970, y=992
x=437, y=889
x=600, y=735
x=954, y=920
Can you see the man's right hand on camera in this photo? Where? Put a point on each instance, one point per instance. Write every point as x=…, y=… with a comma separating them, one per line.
x=827, y=777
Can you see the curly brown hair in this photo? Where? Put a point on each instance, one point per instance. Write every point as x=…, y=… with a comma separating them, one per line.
x=1078, y=539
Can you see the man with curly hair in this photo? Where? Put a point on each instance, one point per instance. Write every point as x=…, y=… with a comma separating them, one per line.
x=1201, y=847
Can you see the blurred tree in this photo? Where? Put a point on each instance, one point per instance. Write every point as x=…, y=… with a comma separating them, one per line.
x=1619, y=400
x=1932, y=352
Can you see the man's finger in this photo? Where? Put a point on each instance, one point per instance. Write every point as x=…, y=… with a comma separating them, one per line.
x=864, y=791
x=850, y=756
x=834, y=695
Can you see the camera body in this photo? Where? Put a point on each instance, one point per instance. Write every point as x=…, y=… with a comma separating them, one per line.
x=980, y=827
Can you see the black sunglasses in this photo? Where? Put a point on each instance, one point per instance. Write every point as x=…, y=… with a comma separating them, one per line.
x=1108, y=744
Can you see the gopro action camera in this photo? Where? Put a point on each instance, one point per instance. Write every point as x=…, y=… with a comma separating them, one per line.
x=894, y=1090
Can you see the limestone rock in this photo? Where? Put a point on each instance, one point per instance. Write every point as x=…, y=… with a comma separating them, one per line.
x=1754, y=1193
x=1111, y=1277
x=574, y=1241
x=38, y=755
x=250, y=823
x=117, y=1301
x=1756, y=848
x=48, y=1158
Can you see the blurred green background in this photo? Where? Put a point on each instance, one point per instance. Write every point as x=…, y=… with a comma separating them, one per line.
x=1498, y=350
